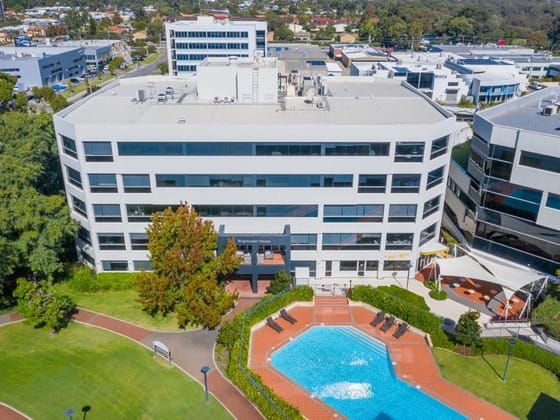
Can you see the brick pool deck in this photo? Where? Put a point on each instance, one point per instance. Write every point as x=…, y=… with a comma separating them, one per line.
x=411, y=354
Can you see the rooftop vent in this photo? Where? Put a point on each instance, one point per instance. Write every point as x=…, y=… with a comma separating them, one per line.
x=551, y=109
x=140, y=95
x=217, y=99
x=162, y=98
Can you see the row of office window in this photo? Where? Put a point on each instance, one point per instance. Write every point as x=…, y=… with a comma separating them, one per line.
x=211, y=34
x=350, y=213
x=360, y=267
x=115, y=241
x=212, y=45
x=101, y=151
x=367, y=184
x=200, y=57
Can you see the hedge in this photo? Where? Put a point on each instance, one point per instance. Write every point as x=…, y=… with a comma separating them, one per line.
x=523, y=350
x=406, y=295
x=235, y=337
x=84, y=280
x=412, y=314
x=438, y=294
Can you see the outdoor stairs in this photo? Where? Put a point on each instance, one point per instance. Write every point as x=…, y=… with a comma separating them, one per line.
x=332, y=310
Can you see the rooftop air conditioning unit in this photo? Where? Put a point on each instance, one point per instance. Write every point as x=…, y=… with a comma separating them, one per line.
x=140, y=95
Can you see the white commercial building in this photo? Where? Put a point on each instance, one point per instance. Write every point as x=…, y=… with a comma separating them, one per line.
x=344, y=183
x=189, y=42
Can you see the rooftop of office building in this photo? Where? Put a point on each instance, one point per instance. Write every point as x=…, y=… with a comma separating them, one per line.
x=168, y=100
x=526, y=113
x=27, y=53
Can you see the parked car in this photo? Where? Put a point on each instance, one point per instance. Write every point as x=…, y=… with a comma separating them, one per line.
x=75, y=80
x=59, y=87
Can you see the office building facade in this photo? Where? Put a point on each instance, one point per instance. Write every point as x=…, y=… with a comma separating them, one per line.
x=343, y=183
x=189, y=42
x=507, y=198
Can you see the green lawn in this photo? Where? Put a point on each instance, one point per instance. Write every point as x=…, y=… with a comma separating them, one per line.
x=524, y=383
x=461, y=153
x=121, y=305
x=44, y=374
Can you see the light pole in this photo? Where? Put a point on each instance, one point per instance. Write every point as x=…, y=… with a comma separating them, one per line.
x=408, y=267
x=510, y=352
x=204, y=371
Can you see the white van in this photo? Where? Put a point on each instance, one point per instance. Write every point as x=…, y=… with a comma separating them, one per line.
x=536, y=85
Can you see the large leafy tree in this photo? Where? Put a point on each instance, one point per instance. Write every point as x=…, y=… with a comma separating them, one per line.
x=187, y=273
x=36, y=231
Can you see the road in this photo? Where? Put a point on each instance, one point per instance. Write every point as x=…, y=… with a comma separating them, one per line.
x=147, y=69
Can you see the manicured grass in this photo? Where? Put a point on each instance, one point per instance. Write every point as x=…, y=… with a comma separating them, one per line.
x=122, y=305
x=151, y=58
x=461, y=153
x=45, y=374
x=524, y=383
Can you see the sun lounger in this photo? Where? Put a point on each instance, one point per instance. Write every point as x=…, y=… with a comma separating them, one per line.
x=287, y=316
x=378, y=319
x=401, y=330
x=274, y=325
x=388, y=324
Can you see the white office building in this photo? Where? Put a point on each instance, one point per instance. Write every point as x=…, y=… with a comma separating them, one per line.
x=345, y=182
x=189, y=42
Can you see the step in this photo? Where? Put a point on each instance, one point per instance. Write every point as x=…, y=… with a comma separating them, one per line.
x=331, y=301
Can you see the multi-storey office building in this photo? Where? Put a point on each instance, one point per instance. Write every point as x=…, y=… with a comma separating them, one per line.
x=346, y=182
x=507, y=197
x=189, y=42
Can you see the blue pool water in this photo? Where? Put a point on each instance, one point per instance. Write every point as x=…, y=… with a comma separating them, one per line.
x=353, y=373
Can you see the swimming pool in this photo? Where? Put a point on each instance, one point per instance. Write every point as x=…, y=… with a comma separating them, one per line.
x=353, y=373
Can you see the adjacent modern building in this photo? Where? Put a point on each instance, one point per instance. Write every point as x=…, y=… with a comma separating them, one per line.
x=345, y=182
x=98, y=52
x=506, y=196
x=42, y=66
x=189, y=42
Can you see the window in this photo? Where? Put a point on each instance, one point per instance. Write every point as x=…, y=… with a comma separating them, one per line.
x=409, y=152
x=139, y=241
x=353, y=213
x=435, y=177
x=372, y=265
x=328, y=268
x=85, y=256
x=103, y=183
x=107, y=212
x=538, y=161
x=136, y=183
x=402, y=213
x=431, y=206
x=111, y=241
x=250, y=181
x=405, y=183
x=439, y=147
x=502, y=153
x=350, y=241
x=115, y=265
x=84, y=235
x=553, y=201
x=399, y=241
x=69, y=147
x=372, y=183
x=74, y=177
x=303, y=241
x=98, y=151
x=142, y=265
x=395, y=265
x=348, y=265
x=286, y=211
x=79, y=206
x=143, y=212
x=311, y=265
x=357, y=149
x=428, y=234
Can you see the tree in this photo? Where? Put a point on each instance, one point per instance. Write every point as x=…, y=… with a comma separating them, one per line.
x=468, y=330
x=538, y=39
x=281, y=282
x=115, y=64
x=7, y=83
x=42, y=306
x=58, y=102
x=163, y=67
x=187, y=276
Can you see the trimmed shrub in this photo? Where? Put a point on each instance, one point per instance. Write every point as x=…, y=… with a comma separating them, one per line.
x=84, y=280
x=547, y=314
x=405, y=295
x=414, y=315
x=430, y=284
x=235, y=337
x=438, y=294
